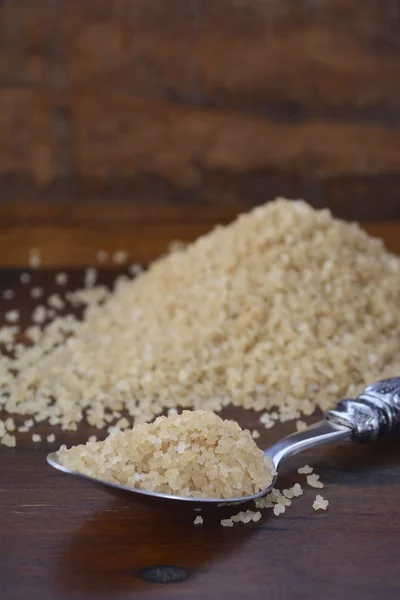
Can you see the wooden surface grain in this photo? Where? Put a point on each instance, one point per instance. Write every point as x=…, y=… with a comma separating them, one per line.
x=63, y=540
x=69, y=234
x=185, y=100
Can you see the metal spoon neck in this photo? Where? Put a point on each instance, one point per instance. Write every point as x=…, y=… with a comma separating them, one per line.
x=323, y=432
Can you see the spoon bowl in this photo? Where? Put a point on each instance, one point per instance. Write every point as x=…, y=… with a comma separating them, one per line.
x=374, y=413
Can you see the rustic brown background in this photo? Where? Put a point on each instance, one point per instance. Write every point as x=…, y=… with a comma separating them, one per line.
x=202, y=102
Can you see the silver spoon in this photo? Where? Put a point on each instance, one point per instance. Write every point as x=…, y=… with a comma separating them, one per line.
x=373, y=413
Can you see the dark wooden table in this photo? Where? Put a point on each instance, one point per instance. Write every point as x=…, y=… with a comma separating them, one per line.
x=63, y=540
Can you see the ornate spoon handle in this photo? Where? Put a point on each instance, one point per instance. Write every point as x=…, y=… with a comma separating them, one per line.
x=375, y=412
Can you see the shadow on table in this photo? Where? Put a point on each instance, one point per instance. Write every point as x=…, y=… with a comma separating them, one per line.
x=132, y=547
x=351, y=459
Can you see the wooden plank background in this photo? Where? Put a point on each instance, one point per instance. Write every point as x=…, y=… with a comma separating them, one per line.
x=201, y=101
x=70, y=234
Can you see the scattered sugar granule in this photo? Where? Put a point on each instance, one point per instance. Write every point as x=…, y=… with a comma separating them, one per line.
x=279, y=509
x=121, y=282
x=320, y=503
x=12, y=316
x=92, y=438
x=33, y=333
x=36, y=437
x=297, y=490
x=102, y=256
x=22, y=429
x=51, y=437
x=264, y=502
x=113, y=429
x=287, y=413
x=267, y=420
x=274, y=495
x=243, y=516
x=247, y=516
x=176, y=246
x=172, y=411
x=288, y=493
x=279, y=498
x=135, y=269
x=90, y=297
x=301, y=425
x=238, y=517
x=120, y=257
x=7, y=334
x=123, y=423
x=8, y=440
x=305, y=470
x=8, y=294
x=198, y=520
x=90, y=277
x=34, y=258
x=256, y=516
x=9, y=423
x=55, y=301
x=255, y=434
x=227, y=523
x=39, y=314
x=29, y=423
x=25, y=278
x=61, y=278
x=36, y=292
x=313, y=481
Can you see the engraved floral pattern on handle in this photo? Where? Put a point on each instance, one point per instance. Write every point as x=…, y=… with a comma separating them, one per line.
x=375, y=412
x=389, y=389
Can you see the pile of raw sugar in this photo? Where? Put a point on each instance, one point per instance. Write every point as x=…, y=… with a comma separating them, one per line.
x=193, y=454
x=285, y=309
